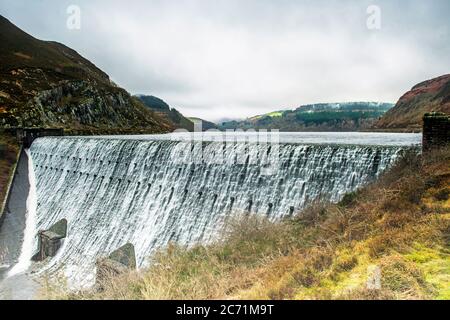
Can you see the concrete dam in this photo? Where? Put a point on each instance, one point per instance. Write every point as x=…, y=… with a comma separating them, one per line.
x=150, y=192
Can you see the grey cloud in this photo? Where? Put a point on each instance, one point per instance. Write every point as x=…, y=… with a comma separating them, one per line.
x=230, y=58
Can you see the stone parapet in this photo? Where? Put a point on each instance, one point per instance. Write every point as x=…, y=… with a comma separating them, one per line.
x=436, y=130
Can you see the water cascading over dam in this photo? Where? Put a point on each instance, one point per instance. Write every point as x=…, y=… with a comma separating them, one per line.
x=149, y=193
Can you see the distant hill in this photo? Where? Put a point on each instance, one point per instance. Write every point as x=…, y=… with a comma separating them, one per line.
x=171, y=115
x=206, y=125
x=45, y=83
x=349, y=116
x=430, y=95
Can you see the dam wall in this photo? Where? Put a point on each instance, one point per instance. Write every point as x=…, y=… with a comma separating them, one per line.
x=150, y=193
x=24, y=136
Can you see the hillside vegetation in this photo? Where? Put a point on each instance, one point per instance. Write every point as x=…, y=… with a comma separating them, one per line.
x=427, y=96
x=350, y=116
x=46, y=84
x=171, y=115
x=9, y=150
x=397, y=227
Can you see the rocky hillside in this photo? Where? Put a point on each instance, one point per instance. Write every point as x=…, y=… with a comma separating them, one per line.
x=351, y=116
x=44, y=83
x=171, y=115
x=430, y=95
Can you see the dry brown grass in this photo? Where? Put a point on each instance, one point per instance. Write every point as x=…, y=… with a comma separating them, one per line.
x=8, y=155
x=400, y=224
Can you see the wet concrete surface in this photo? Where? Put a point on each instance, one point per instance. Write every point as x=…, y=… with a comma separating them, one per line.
x=20, y=286
x=13, y=226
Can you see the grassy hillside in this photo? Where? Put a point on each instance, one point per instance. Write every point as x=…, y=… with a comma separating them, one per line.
x=351, y=116
x=44, y=83
x=399, y=225
x=430, y=95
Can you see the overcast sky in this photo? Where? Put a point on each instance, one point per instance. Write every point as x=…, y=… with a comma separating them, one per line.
x=232, y=59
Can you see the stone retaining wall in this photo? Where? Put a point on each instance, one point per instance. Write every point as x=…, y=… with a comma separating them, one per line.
x=436, y=130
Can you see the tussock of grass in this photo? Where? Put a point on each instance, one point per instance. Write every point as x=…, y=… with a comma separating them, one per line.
x=400, y=224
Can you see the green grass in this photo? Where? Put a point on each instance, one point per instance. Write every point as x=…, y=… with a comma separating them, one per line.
x=435, y=264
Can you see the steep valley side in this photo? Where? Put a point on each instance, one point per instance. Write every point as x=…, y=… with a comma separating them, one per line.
x=46, y=84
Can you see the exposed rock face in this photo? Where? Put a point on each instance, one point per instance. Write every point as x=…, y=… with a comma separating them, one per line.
x=85, y=105
x=47, y=84
x=428, y=96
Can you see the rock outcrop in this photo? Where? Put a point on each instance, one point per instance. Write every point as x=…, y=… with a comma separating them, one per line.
x=46, y=84
x=84, y=106
x=428, y=96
